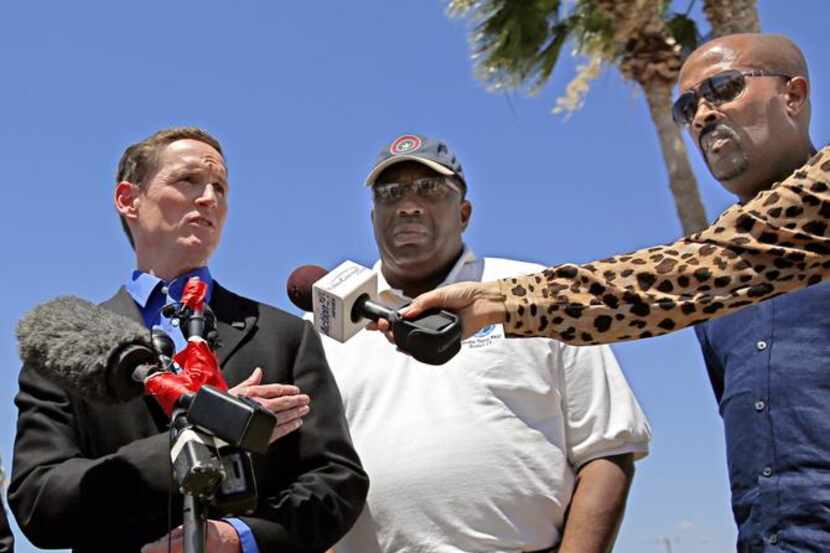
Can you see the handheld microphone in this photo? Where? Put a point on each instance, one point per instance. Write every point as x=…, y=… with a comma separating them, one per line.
x=344, y=301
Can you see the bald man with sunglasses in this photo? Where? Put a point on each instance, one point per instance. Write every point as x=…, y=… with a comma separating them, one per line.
x=745, y=100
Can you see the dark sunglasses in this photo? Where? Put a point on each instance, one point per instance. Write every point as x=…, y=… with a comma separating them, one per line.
x=717, y=89
x=428, y=188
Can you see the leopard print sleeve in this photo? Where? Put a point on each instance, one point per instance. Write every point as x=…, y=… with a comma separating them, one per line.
x=775, y=243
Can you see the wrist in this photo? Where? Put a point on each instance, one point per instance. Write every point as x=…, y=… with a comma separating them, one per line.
x=495, y=310
x=229, y=539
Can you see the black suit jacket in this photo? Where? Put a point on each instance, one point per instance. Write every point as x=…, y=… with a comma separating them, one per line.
x=96, y=477
x=6, y=537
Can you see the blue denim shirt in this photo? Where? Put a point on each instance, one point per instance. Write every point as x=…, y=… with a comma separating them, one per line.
x=151, y=294
x=770, y=369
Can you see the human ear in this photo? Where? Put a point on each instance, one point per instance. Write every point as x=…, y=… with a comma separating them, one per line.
x=466, y=213
x=798, y=90
x=127, y=199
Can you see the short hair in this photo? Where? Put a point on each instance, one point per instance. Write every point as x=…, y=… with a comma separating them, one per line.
x=140, y=160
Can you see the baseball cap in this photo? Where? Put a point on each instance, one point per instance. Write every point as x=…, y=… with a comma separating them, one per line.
x=433, y=153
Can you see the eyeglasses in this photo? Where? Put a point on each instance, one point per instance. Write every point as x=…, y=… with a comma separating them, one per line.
x=717, y=89
x=428, y=188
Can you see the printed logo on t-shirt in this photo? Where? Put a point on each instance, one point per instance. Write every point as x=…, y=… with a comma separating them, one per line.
x=484, y=337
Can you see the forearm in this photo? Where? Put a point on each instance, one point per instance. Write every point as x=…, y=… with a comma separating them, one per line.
x=65, y=504
x=776, y=243
x=316, y=485
x=61, y=495
x=597, y=505
x=313, y=512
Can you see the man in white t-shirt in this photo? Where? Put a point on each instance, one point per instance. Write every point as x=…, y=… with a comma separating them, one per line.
x=512, y=446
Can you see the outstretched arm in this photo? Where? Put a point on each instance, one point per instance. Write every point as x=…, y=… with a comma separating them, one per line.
x=776, y=243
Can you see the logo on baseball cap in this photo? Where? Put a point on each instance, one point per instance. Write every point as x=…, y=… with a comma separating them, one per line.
x=435, y=154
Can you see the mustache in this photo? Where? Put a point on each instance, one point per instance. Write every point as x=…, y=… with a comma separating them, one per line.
x=715, y=129
x=407, y=219
x=409, y=223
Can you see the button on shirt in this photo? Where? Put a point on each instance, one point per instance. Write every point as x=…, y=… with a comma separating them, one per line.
x=151, y=294
x=479, y=454
x=770, y=369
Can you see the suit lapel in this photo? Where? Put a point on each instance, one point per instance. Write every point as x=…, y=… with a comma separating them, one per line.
x=235, y=320
x=124, y=304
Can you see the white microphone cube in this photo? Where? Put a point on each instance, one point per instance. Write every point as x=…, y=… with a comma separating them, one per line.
x=334, y=296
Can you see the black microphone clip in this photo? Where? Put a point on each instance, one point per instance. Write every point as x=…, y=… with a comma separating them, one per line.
x=194, y=324
x=433, y=337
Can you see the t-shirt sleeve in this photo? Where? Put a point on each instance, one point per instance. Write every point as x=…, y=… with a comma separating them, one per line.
x=602, y=416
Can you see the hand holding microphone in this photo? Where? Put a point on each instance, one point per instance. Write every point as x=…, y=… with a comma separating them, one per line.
x=343, y=303
x=477, y=304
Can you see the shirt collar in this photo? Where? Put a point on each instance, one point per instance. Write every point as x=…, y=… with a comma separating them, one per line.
x=141, y=285
x=385, y=290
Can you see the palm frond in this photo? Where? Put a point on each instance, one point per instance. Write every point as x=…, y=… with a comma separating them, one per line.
x=514, y=42
x=547, y=58
x=460, y=8
x=684, y=30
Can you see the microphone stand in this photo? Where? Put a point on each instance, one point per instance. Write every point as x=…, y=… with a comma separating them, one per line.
x=198, y=474
x=214, y=431
x=194, y=513
x=198, y=470
x=194, y=525
x=210, y=470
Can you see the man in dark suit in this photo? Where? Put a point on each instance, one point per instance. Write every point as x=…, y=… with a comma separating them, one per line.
x=96, y=477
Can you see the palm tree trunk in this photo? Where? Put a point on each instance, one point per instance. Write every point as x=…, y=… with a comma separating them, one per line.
x=732, y=16
x=681, y=178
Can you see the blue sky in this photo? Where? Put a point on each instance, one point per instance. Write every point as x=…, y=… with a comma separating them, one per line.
x=303, y=95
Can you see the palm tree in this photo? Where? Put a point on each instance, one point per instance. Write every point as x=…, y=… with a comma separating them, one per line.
x=516, y=43
x=651, y=57
x=732, y=16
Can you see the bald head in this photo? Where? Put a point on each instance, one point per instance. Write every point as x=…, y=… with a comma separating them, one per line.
x=775, y=53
